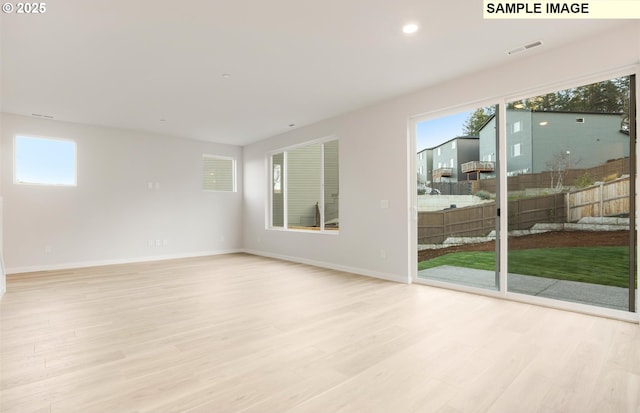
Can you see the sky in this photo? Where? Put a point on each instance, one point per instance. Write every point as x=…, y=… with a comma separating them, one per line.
x=45, y=161
x=433, y=132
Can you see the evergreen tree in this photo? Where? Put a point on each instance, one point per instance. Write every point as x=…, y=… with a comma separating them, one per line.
x=610, y=96
x=477, y=119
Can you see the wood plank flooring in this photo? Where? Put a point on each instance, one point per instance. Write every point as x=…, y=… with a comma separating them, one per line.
x=240, y=333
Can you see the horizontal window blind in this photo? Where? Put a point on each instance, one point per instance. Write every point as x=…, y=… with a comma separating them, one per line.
x=218, y=173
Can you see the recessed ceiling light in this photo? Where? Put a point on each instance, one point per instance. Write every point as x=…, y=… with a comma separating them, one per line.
x=409, y=28
x=226, y=75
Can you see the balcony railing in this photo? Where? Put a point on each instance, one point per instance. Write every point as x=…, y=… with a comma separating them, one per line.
x=440, y=172
x=478, y=166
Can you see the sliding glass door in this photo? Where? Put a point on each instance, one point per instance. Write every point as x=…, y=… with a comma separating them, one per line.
x=457, y=192
x=565, y=181
x=570, y=158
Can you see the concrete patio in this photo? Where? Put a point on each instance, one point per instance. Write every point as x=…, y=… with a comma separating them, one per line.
x=578, y=292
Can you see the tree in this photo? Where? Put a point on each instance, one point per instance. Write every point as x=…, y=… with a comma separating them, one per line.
x=610, y=96
x=559, y=165
x=477, y=120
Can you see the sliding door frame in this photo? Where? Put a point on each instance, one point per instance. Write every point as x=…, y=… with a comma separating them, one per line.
x=633, y=315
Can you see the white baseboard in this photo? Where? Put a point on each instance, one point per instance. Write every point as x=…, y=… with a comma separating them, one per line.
x=321, y=264
x=84, y=264
x=331, y=266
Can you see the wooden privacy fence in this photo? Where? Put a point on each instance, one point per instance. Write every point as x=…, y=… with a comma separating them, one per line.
x=604, y=200
x=477, y=221
x=522, y=182
x=525, y=213
x=455, y=188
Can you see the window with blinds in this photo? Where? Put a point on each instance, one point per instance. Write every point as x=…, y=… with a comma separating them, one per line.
x=218, y=173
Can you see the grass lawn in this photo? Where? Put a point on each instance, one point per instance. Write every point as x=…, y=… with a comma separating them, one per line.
x=596, y=265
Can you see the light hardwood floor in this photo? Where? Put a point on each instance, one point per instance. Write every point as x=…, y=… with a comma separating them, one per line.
x=239, y=333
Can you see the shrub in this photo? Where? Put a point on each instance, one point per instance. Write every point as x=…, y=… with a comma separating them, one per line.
x=610, y=177
x=584, y=181
x=483, y=195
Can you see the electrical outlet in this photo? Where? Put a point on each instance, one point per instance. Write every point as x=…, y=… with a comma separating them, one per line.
x=383, y=254
x=48, y=249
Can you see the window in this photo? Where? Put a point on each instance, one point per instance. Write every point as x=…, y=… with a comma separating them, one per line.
x=451, y=163
x=453, y=145
x=218, y=173
x=516, y=127
x=305, y=187
x=438, y=151
x=516, y=150
x=45, y=161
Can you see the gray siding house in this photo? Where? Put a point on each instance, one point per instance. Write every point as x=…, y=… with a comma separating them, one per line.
x=304, y=186
x=534, y=137
x=449, y=157
x=424, y=166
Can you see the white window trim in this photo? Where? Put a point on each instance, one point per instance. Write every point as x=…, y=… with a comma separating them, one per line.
x=284, y=183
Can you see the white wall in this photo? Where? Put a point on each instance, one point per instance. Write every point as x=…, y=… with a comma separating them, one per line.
x=375, y=157
x=3, y=279
x=112, y=214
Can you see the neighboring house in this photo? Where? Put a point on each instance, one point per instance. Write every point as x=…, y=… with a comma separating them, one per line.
x=304, y=186
x=424, y=166
x=449, y=157
x=535, y=137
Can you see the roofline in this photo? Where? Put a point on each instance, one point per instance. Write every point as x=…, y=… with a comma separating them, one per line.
x=467, y=137
x=556, y=111
x=578, y=112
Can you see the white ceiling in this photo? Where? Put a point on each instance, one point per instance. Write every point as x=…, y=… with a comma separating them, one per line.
x=129, y=64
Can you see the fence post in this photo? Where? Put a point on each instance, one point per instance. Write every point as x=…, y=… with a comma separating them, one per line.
x=601, y=199
x=444, y=225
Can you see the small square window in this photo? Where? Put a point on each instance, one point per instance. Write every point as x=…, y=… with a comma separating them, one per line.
x=45, y=161
x=218, y=173
x=516, y=127
x=516, y=150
